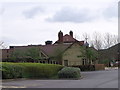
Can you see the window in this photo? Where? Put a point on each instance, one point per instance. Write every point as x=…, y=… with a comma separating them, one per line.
x=84, y=61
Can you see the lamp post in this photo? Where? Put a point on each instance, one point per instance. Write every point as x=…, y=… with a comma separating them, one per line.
x=118, y=54
x=86, y=48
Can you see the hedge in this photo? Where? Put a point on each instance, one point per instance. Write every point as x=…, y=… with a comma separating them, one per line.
x=38, y=70
x=10, y=71
x=86, y=67
x=69, y=72
x=29, y=70
x=91, y=67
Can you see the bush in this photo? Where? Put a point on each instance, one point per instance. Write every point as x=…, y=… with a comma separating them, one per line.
x=29, y=70
x=37, y=70
x=86, y=67
x=69, y=72
x=11, y=70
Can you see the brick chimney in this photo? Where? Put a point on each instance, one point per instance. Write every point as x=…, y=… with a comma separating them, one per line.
x=48, y=42
x=60, y=37
x=71, y=33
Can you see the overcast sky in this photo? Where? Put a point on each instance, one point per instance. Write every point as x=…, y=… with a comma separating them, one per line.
x=34, y=22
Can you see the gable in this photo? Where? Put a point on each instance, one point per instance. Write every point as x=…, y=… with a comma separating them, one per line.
x=68, y=38
x=73, y=49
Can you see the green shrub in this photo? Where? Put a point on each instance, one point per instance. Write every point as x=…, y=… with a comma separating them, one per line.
x=69, y=72
x=29, y=70
x=10, y=70
x=38, y=70
x=86, y=67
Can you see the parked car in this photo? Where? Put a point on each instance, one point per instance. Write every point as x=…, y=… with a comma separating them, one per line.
x=116, y=63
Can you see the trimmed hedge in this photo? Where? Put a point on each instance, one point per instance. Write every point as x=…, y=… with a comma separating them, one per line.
x=29, y=70
x=86, y=67
x=10, y=71
x=37, y=70
x=69, y=72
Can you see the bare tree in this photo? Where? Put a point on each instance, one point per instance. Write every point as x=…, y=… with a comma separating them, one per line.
x=115, y=39
x=92, y=44
x=97, y=40
x=107, y=40
x=110, y=40
x=2, y=45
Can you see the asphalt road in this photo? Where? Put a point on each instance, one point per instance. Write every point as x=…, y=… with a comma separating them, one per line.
x=94, y=79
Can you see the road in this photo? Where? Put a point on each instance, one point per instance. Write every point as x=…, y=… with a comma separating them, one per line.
x=94, y=79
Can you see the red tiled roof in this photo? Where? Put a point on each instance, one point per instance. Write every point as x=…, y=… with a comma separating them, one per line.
x=69, y=39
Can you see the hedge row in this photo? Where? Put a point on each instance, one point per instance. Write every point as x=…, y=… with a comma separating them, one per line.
x=10, y=71
x=41, y=70
x=86, y=67
x=29, y=70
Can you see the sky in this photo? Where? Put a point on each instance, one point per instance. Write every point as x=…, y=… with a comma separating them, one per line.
x=25, y=22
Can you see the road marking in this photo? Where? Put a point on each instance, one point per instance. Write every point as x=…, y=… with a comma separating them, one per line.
x=13, y=87
x=24, y=86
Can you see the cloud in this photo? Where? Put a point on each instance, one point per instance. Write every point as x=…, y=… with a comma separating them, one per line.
x=111, y=12
x=68, y=14
x=71, y=15
x=33, y=12
x=2, y=10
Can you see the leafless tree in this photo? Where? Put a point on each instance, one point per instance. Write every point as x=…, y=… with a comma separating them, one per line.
x=115, y=39
x=110, y=40
x=97, y=40
x=2, y=45
x=100, y=41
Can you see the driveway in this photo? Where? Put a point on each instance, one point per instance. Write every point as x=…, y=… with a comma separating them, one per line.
x=94, y=79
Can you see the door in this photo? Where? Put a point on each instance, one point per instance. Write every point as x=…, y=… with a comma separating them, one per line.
x=65, y=62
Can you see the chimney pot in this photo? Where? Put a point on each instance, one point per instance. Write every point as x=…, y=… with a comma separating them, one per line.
x=71, y=33
x=60, y=37
x=48, y=42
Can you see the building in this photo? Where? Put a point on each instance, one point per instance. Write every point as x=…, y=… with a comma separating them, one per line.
x=112, y=53
x=67, y=39
x=65, y=51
